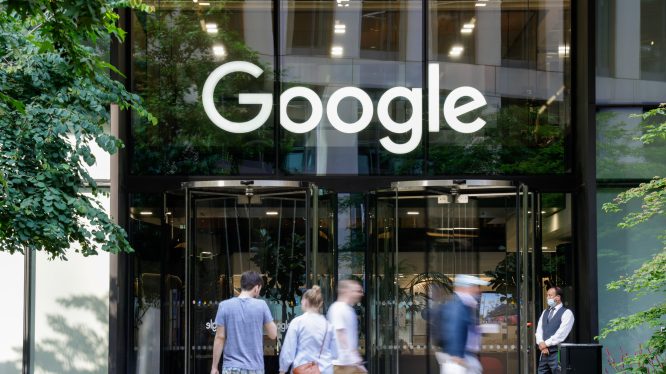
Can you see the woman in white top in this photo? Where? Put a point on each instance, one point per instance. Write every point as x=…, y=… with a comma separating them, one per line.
x=309, y=337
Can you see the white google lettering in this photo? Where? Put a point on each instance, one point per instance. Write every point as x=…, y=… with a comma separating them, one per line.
x=413, y=96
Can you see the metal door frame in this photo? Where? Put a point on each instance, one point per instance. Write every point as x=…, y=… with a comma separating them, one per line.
x=225, y=187
x=526, y=233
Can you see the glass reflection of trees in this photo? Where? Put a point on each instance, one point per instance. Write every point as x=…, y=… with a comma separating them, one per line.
x=174, y=53
x=517, y=139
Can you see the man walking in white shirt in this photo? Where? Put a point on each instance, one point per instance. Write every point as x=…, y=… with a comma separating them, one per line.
x=342, y=316
x=553, y=328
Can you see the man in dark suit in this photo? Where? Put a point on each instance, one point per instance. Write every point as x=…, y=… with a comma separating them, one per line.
x=460, y=335
x=553, y=328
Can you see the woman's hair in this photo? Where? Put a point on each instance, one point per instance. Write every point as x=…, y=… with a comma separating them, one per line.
x=314, y=298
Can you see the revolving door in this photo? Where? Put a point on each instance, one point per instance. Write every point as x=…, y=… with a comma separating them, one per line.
x=277, y=228
x=424, y=233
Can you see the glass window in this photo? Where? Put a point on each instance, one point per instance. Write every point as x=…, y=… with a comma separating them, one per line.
x=517, y=55
x=631, y=48
x=620, y=252
x=174, y=50
x=372, y=46
x=619, y=154
x=653, y=40
x=144, y=232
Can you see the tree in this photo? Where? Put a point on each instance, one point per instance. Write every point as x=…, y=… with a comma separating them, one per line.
x=650, y=277
x=55, y=95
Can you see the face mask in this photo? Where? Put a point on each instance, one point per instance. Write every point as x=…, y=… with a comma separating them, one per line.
x=551, y=302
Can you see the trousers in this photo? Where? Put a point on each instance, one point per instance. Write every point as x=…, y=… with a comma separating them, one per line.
x=549, y=364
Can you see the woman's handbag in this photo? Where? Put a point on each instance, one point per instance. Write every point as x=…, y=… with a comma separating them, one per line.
x=312, y=367
x=309, y=368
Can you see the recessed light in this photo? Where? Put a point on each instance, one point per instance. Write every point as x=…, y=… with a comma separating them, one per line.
x=339, y=28
x=211, y=28
x=218, y=50
x=563, y=50
x=413, y=213
x=204, y=4
x=456, y=51
x=480, y=4
x=146, y=213
x=271, y=213
x=466, y=31
x=337, y=51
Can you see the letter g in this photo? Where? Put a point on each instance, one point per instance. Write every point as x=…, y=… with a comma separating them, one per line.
x=265, y=100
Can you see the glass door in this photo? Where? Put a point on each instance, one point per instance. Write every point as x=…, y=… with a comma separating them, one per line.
x=527, y=218
x=282, y=230
x=424, y=233
x=173, y=279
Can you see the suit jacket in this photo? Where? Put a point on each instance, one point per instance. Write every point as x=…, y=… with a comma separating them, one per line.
x=456, y=321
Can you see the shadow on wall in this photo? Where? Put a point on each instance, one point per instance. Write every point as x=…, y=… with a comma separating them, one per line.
x=10, y=367
x=76, y=345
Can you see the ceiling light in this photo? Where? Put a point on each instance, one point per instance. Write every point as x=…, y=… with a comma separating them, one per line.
x=336, y=51
x=146, y=213
x=480, y=4
x=204, y=4
x=271, y=213
x=456, y=51
x=339, y=28
x=211, y=28
x=468, y=26
x=218, y=50
x=466, y=31
x=563, y=50
x=412, y=213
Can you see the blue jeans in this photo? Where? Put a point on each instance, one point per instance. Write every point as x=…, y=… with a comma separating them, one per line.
x=240, y=371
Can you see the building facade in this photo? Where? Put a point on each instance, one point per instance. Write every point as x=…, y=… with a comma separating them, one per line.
x=398, y=143
x=395, y=142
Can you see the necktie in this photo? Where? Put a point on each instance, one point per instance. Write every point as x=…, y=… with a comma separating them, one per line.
x=550, y=313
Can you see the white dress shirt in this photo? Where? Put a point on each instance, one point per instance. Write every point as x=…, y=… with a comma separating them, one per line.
x=303, y=343
x=561, y=333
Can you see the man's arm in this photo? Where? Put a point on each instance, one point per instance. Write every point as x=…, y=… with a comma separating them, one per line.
x=564, y=330
x=271, y=330
x=539, y=335
x=218, y=347
x=341, y=336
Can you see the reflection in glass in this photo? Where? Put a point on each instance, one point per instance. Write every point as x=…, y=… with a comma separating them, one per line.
x=518, y=55
x=174, y=50
x=620, y=155
x=371, y=45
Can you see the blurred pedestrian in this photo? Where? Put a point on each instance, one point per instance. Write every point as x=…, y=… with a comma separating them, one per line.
x=460, y=335
x=308, y=345
x=553, y=328
x=240, y=322
x=342, y=316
